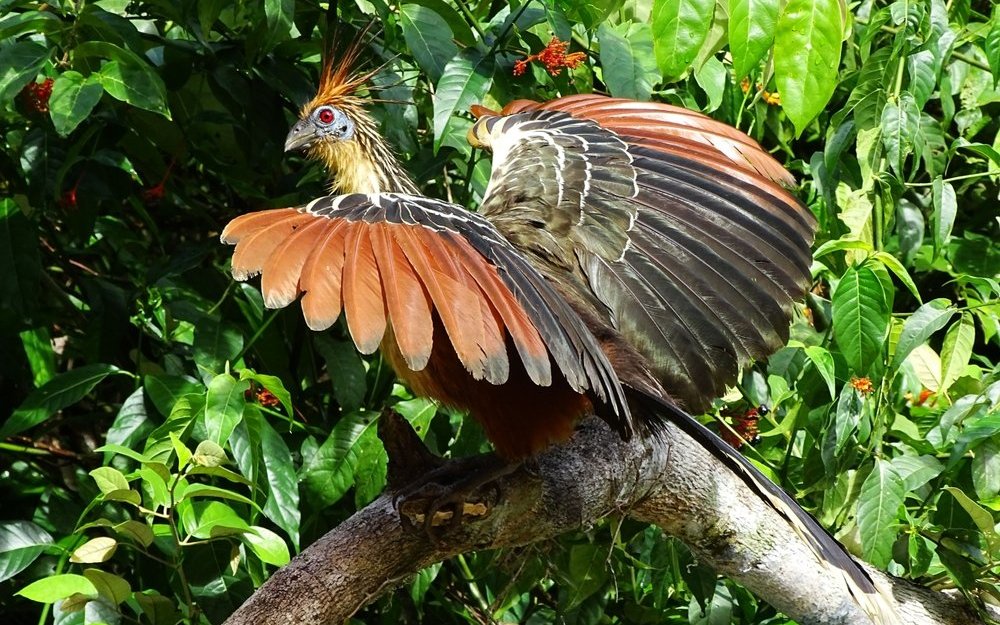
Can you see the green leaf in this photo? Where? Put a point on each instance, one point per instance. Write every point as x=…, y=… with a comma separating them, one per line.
x=347, y=371
x=860, y=319
x=135, y=531
x=627, y=60
x=712, y=77
x=279, y=15
x=165, y=390
x=34, y=21
x=61, y=391
x=921, y=67
x=465, y=79
x=878, y=509
x=95, y=550
x=20, y=63
x=37, y=344
x=58, y=587
x=991, y=45
x=282, y=505
x=915, y=471
x=980, y=516
x=21, y=542
x=945, y=209
x=215, y=344
x=806, y=57
x=267, y=545
x=132, y=425
x=679, y=30
x=752, y=24
x=136, y=85
x=919, y=327
x=211, y=519
x=112, y=587
x=209, y=454
x=206, y=490
x=868, y=98
x=429, y=38
x=892, y=264
x=823, y=361
x=329, y=473
x=224, y=405
x=20, y=268
x=73, y=98
x=840, y=245
x=957, y=350
x=109, y=479
x=985, y=470
x=587, y=573
x=900, y=123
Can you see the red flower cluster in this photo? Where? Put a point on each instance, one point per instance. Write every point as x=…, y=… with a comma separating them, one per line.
x=35, y=96
x=744, y=427
x=553, y=57
x=263, y=397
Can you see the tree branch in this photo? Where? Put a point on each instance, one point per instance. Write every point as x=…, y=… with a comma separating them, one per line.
x=678, y=486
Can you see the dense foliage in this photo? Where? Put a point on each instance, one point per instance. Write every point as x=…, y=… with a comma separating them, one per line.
x=166, y=441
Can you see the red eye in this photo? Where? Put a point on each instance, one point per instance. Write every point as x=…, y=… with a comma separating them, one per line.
x=326, y=115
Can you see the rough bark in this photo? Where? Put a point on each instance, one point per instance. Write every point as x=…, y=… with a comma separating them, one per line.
x=678, y=486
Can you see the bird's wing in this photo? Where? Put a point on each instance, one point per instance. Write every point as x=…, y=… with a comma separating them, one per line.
x=679, y=223
x=397, y=259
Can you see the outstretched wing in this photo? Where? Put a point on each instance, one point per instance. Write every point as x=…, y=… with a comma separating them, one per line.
x=398, y=260
x=677, y=223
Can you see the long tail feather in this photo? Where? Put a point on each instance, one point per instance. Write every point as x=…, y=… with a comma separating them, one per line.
x=871, y=598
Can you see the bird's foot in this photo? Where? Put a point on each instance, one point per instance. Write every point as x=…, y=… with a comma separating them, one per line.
x=442, y=498
x=432, y=492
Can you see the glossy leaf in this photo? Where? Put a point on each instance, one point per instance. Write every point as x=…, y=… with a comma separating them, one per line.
x=860, y=319
x=878, y=509
x=429, y=38
x=465, y=78
x=752, y=24
x=679, y=30
x=918, y=327
x=134, y=83
x=267, y=545
x=224, y=405
x=627, y=60
x=21, y=542
x=806, y=56
x=73, y=98
x=20, y=63
x=945, y=210
x=60, y=392
x=957, y=350
x=56, y=587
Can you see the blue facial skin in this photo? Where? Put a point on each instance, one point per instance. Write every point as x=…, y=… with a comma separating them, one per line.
x=331, y=123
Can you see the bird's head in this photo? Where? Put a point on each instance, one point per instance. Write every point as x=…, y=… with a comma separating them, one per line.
x=335, y=128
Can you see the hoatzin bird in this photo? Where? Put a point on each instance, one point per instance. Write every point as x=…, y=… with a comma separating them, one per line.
x=627, y=259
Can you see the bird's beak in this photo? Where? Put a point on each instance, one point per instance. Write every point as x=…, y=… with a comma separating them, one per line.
x=300, y=136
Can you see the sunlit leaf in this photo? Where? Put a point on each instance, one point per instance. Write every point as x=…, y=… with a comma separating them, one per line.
x=957, y=350
x=860, y=319
x=73, y=98
x=878, y=509
x=806, y=56
x=20, y=543
x=465, y=78
x=95, y=550
x=56, y=587
x=627, y=60
x=429, y=38
x=679, y=30
x=752, y=24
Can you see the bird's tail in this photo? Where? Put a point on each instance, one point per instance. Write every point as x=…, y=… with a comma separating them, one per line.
x=876, y=602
